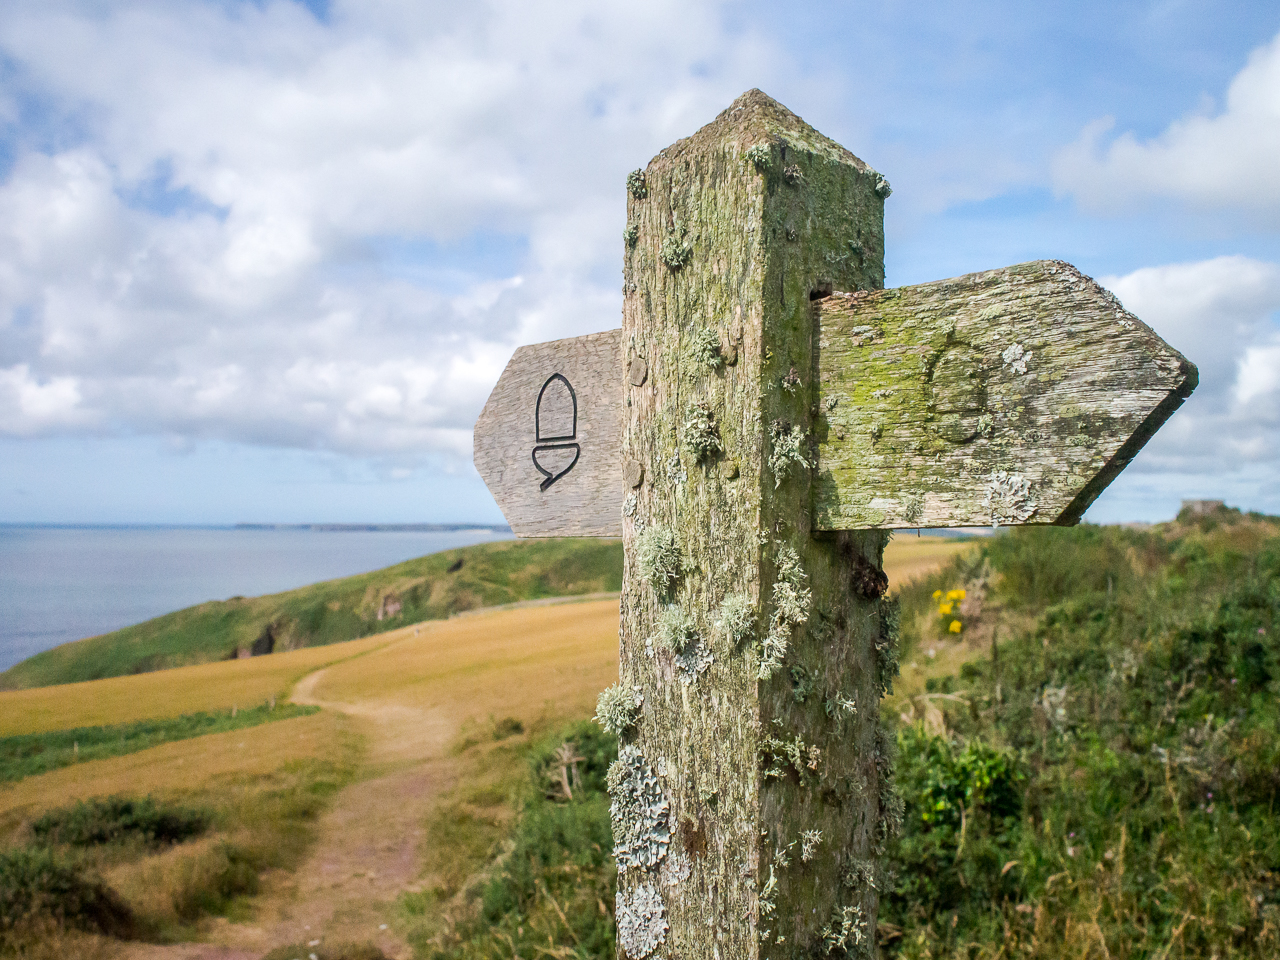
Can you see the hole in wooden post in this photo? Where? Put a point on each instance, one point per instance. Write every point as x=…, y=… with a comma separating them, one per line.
x=821, y=290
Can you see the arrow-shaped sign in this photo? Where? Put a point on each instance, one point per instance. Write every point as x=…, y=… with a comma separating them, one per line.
x=1010, y=396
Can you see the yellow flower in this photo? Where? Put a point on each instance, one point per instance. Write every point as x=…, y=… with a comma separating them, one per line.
x=955, y=626
x=937, y=594
x=945, y=609
x=955, y=594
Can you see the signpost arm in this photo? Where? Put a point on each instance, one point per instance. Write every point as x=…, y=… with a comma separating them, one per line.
x=750, y=798
x=1007, y=396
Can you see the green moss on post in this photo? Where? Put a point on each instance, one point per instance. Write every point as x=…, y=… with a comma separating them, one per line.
x=772, y=796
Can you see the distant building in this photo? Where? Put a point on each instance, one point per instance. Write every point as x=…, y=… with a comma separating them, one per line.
x=1198, y=508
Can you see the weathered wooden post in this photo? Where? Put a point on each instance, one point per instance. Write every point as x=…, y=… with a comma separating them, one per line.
x=753, y=435
x=760, y=649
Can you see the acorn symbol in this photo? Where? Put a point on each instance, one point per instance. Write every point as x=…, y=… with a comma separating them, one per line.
x=555, y=430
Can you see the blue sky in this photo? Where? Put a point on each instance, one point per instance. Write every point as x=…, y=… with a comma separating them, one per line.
x=263, y=261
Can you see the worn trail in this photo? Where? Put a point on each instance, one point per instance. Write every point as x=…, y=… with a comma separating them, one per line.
x=367, y=847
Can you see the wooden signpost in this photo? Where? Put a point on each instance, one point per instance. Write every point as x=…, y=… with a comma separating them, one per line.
x=765, y=415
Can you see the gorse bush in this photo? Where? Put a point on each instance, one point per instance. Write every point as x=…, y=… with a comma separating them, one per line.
x=1044, y=565
x=964, y=804
x=921, y=599
x=119, y=819
x=42, y=891
x=1110, y=784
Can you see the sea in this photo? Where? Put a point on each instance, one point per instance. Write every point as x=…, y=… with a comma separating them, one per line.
x=62, y=583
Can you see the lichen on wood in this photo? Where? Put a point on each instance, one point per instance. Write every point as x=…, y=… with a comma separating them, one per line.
x=618, y=708
x=642, y=922
x=701, y=435
x=675, y=629
x=736, y=619
x=704, y=347
x=658, y=558
x=639, y=811
x=791, y=599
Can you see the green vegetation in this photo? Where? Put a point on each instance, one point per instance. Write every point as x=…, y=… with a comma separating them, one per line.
x=89, y=823
x=429, y=588
x=1107, y=782
x=539, y=885
x=153, y=868
x=30, y=754
x=40, y=890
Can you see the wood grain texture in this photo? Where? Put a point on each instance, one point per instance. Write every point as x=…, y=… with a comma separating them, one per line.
x=736, y=228
x=587, y=500
x=1010, y=396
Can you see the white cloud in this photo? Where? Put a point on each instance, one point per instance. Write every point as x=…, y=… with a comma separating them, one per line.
x=194, y=259
x=1226, y=160
x=28, y=407
x=1221, y=314
x=1259, y=373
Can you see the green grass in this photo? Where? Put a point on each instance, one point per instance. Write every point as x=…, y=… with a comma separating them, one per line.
x=30, y=754
x=539, y=884
x=429, y=588
x=1109, y=784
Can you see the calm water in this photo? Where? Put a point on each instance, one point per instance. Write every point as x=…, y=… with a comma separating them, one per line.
x=60, y=584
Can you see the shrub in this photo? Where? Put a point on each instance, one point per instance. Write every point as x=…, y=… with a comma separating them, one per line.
x=210, y=882
x=116, y=819
x=507, y=727
x=1044, y=565
x=40, y=890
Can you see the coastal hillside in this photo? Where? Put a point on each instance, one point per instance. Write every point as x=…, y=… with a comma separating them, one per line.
x=428, y=588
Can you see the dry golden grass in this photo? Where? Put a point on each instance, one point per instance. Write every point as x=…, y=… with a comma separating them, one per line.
x=170, y=693
x=908, y=556
x=524, y=663
x=183, y=767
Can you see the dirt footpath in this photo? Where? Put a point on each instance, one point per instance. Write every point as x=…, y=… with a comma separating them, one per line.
x=366, y=851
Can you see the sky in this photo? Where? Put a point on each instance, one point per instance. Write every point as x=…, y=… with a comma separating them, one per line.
x=264, y=261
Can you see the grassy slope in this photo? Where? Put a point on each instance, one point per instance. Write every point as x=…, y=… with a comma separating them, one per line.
x=427, y=589
x=1107, y=786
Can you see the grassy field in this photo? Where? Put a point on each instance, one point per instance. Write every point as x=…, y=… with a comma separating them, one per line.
x=31, y=754
x=429, y=588
x=169, y=693
x=319, y=820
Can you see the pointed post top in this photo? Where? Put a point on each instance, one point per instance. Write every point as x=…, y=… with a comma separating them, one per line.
x=754, y=118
